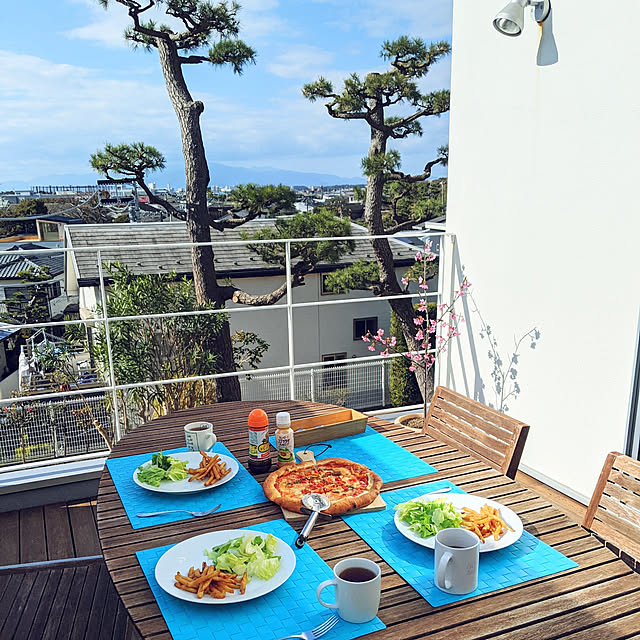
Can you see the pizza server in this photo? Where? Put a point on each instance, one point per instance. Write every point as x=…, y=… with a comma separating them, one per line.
x=316, y=502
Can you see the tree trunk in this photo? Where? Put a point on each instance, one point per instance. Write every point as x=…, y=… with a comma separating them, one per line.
x=196, y=170
x=384, y=256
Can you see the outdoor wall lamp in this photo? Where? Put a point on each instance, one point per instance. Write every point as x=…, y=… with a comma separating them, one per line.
x=510, y=21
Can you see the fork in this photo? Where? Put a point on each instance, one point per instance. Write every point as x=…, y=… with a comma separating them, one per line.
x=197, y=514
x=320, y=630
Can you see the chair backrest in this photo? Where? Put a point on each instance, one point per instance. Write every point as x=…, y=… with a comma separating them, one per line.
x=476, y=429
x=614, y=510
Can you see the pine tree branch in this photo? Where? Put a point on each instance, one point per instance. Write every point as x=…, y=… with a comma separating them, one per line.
x=135, y=10
x=405, y=177
x=192, y=59
x=402, y=226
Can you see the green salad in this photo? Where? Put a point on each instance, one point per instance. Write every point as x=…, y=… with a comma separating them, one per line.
x=253, y=554
x=427, y=518
x=162, y=468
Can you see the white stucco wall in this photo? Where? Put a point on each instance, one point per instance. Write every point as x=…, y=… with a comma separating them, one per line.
x=543, y=199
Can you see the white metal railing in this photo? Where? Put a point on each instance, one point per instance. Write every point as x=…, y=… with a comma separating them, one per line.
x=290, y=370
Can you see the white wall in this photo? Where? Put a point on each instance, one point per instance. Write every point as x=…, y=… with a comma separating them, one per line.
x=317, y=330
x=543, y=198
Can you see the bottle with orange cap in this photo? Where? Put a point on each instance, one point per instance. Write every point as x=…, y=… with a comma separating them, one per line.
x=259, y=450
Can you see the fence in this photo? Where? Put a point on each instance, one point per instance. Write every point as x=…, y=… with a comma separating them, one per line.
x=363, y=385
x=42, y=430
x=356, y=382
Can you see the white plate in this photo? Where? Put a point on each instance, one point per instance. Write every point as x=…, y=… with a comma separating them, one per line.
x=460, y=500
x=190, y=553
x=193, y=459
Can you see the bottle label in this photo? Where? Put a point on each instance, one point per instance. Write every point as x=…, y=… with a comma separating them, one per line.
x=284, y=445
x=259, y=444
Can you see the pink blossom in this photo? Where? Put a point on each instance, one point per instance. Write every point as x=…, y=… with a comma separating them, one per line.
x=418, y=256
x=392, y=341
x=418, y=321
x=404, y=281
x=366, y=339
x=371, y=347
x=442, y=307
x=412, y=368
x=380, y=332
x=420, y=335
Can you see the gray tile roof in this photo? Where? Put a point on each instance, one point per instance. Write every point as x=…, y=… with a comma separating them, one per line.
x=230, y=261
x=12, y=264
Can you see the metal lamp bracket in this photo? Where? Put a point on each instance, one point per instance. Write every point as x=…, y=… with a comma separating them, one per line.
x=541, y=10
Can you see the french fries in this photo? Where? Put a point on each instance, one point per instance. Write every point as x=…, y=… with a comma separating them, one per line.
x=484, y=524
x=210, y=471
x=209, y=581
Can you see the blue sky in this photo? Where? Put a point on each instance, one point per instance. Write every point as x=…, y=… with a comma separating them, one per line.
x=69, y=83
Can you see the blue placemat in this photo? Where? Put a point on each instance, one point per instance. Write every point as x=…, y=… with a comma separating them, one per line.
x=291, y=608
x=240, y=491
x=524, y=560
x=388, y=459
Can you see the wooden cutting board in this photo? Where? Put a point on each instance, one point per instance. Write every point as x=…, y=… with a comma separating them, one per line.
x=307, y=456
x=377, y=505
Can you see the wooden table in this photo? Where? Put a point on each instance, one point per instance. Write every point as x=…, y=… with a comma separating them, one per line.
x=598, y=600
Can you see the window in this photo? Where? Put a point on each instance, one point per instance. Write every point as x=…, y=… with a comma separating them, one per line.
x=362, y=326
x=334, y=375
x=323, y=287
x=54, y=289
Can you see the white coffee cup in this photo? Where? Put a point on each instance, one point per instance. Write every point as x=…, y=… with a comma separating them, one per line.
x=457, y=555
x=199, y=436
x=357, y=598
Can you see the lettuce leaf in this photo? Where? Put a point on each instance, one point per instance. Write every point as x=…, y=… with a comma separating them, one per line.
x=249, y=553
x=162, y=468
x=427, y=518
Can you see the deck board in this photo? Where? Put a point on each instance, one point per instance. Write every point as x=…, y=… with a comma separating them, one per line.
x=10, y=547
x=58, y=532
x=77, y=602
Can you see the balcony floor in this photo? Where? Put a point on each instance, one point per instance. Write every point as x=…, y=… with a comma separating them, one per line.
x=73, y=598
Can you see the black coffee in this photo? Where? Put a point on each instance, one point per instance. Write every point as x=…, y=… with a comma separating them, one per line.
x=199, y=429
x=357, y=574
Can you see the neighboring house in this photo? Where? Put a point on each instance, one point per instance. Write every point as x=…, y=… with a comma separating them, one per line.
x=321, y=333
x=11, y=264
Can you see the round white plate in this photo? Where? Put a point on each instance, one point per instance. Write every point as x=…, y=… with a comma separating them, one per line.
x=190, y=553
x=193, y=459
x=460, y=500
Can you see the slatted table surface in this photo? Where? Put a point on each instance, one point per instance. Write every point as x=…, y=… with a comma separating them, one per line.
x=599, y=599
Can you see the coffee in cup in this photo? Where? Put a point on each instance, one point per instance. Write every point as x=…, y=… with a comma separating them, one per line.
x=357, y=586
x=199, y=436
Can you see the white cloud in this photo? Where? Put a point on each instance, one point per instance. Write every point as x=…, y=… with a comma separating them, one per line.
x=257, y=21
x=301, y=61
x=55, y=115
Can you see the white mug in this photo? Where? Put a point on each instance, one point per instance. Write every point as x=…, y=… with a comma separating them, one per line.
x=199, y=436
x=457, y=555
x=357, y=583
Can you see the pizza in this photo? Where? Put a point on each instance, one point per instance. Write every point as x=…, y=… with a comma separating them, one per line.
x=348, y=485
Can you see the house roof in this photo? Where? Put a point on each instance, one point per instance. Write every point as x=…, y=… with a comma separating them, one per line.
x=12, y=264
x=231, y=261
x=5, y=333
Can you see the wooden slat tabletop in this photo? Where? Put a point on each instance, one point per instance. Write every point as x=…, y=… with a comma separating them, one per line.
x=598, y=599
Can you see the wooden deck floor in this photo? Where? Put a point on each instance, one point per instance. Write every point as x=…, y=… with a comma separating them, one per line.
x=50, y=532
x=73, y=598
x=74, y=602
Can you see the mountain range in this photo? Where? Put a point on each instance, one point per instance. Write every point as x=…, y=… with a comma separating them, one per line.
x=221, y=175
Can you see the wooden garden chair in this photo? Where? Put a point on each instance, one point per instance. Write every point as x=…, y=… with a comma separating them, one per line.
x=476, y=429
x=614, y=510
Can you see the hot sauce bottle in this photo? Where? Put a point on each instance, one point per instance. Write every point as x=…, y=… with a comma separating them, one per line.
x=259, y=450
